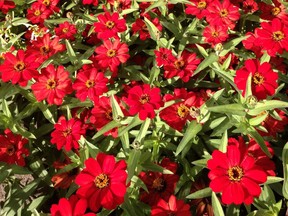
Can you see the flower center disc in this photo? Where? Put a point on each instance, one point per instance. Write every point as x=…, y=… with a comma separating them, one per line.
x=235, y=173
x=37, y=12
x=144, y=98
x=44, y=49
x=19, y=66
x=224, y=13
x=51, y=84
x=215, y=34
x=89, y=83
x=158, y=184
x=46, y=2
x=258, y=79
x=10, y=150
x=109, y=114
x=182, y=111
x=101, y=181
x=179, y=64
x=275, y=11
x=67, y=132
x=111, y=53
x=110, y=24
x=278, y=36
x=201, y=5
x=65, y=30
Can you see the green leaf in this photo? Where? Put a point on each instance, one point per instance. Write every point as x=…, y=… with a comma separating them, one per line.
x=248, y=91
x=106, y=128
x=273, y=179
x=224, y=142
x=46, y=112
x=265, y=58
x=231, y=45
x=217, y=208
x=71, y=53
x=206, y=192
x=193, y=129
x=267, y=105
x=206, y=63
x=285, y=170
x=132, y=163
x=258, y=119
x=116, y=109
x=143, y=130
x=153, y=31
x=234, y=109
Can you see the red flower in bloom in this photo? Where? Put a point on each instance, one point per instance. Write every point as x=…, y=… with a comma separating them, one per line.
x=223, y=13
x=112, y=54
x=90, y=83
x=144, y=100
x=164, y=56
x=141, y=27
x=66, y=30
x=250, y=6
x=12, y=149
x=236, y=175
x=264, y=79
x=177, y=115
x=74, y=206
x=277, y=10
x=184, y=66
x=103, y=182
x=109, y=25
x=67, y=133
x=6, y=5
x=19, y=69
x=215, y=34
x=37, y=13
x=50, y=4
x=172, y=207
x=53, y=84
x=89, y=2
x=159, y=185
x=44, y=47
x=251, y=44
x=197, y=8
x=253, y=149
x=102, y=114
x=274, y=126
x=273, y=37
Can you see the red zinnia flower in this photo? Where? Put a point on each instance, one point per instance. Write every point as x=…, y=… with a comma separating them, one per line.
x=19, y=69
x=250, y=6
x=53, y=84
x=223, y=13
x=112, y=54
x=37, y=13
x=236, y=175
x=215, y=34
x=50, y=4
x=164, y=56
x=66, y=30
x=44, y=47
x=197, y=8
x=144, y=100
x=90, y=83
x=12, y=149
x=159, y=185
x=272, y=37
x=264, y=79
x=89, y=2
x=184, y=66
x=109, y=25
x=177, y=115
x=172, y=207
x=74, y=206
x=6, y=5
x=103, y=182
x=277, y=10
x=67, y=133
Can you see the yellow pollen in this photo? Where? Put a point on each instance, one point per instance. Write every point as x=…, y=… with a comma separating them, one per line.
x=235, y=173
x=144, y=99
x=109, y=114
x=111, y=53
x=89, y=83
x=19, y=66
x=51, y=84
x=67, y=132
x=201, y=5
x=215, y=34
x=46, y=2
x=10, y=150
x=258, y=79
x=275, y=11
x=110, y=24
x=145, y=28
x=44, y=49
x=179, y=64
x=101, y=181
x=37, y=12
x=65, y=30
x=158, y=184
x=278, y=36
x=224, y=13
x=183, y=111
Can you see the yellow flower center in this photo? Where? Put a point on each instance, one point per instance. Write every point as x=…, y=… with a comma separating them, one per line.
x=109, y=114
x=44, y=49
x=10, y=150
x=101, y=181
x=111, y=53
x=158, y=184
x=110, y=24
x=215, y=34
x=65, y=30
x=182, y=111
x=19, y=66
x=278, y=36
x=235, y=173
x=224, y=13
x=67, y=132
x=89, y=83
x=201, y=5
x=46, y=2
x=144, y=98
x=179, y=64
x=275, y=11
x=258, y=79
x=51, y=84
x=37, y=12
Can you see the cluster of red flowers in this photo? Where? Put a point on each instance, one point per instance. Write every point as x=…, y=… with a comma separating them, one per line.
x=100, y=69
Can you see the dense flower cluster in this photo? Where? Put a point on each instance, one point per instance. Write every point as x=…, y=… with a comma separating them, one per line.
x=140, y=107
